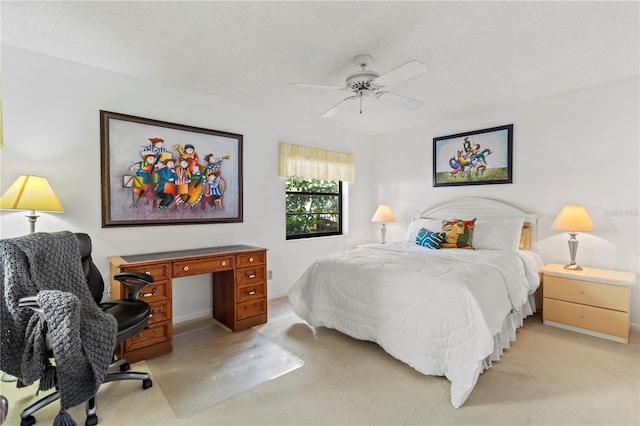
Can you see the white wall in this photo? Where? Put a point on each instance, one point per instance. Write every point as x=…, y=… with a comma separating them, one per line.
x=578, y=148
x=51, y=128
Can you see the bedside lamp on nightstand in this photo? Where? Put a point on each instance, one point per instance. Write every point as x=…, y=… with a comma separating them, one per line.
x=573, y=218
x=383, y=214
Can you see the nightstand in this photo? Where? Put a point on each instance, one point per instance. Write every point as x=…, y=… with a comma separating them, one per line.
x=591, y=301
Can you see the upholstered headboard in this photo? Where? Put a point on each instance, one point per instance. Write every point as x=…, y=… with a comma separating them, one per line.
x=485, y=208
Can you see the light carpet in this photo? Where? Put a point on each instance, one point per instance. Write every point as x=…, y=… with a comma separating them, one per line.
x=549, y=377
x=227, y=364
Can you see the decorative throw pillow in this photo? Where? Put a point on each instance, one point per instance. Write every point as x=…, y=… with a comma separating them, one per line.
x=433, y=225
x=430, y=240
x=497, y=234
x=458, y=233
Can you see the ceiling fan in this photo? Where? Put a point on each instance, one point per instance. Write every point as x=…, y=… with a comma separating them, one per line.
x=365, y=84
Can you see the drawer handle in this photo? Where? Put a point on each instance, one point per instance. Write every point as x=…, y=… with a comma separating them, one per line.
x=147, y=272
x=150, y=294
x=251, y=292
x=186, y=268
x=251, y=259
x=223, y=263
x=251, y=275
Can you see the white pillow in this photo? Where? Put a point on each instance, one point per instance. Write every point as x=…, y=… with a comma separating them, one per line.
x=433, y=225
x=497, y=234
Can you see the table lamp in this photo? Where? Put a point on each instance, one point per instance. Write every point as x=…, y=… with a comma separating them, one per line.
x=383, y=214
x=31, y=193
x=573, y=218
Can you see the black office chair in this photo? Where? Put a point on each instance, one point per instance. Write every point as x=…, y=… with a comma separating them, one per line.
x=131, y=314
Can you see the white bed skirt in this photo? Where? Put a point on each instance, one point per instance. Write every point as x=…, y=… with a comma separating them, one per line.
x=512, y=322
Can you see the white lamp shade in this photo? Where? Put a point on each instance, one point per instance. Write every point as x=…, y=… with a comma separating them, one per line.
x=383, y=214
x=31, y=193
x=573, y=218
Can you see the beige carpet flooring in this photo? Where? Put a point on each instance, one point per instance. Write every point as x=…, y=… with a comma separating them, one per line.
x=548, y=377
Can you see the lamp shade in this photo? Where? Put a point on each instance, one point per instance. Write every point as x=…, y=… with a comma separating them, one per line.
x=30, y=193
x=573, y=218
x=383, y=214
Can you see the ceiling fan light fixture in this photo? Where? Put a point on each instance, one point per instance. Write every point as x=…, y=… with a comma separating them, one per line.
x=365, y=83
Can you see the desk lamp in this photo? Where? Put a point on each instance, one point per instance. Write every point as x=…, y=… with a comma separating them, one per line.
x=31, y=193
x=573, y=218
x=383, y=214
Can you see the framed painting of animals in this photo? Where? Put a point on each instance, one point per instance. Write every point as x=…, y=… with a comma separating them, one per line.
x=479, y=157
x=159, y=173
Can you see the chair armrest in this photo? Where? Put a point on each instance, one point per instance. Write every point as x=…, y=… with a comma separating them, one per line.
x=133, y=282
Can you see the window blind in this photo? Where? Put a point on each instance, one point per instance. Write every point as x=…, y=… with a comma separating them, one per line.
x=314, y=163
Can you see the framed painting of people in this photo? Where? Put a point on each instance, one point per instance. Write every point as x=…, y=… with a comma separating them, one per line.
x=478, y=157
x=159, y=173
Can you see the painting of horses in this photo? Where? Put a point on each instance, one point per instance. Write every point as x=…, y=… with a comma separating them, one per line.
x=160, y=173
x=479, y=157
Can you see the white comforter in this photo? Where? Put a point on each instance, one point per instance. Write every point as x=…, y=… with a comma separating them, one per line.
x=436, y=310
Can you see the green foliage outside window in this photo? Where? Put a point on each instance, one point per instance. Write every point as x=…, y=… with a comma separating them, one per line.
x=314, y=207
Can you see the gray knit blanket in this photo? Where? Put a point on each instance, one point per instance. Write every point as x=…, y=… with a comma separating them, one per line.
x=83, y=337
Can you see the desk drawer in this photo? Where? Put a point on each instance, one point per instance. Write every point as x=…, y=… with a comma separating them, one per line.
x=160, y=311
x=156, y=333
x=596, y=319
x=250, y=275
x=159, y=271
x=251, y=308
x=251, y=291
x=248, y=259
x=154, y=292
x=185, y=268
x=587, y=293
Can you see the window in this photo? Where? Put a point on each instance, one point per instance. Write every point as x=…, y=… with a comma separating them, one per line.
x=314, y=207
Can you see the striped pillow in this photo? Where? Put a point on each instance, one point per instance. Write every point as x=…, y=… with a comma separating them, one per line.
x=430, y=240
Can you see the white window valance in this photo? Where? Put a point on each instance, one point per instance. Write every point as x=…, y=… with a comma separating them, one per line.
x=314, y=163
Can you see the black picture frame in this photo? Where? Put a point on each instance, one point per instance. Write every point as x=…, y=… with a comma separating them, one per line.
x=479, y=157
x=160, y=173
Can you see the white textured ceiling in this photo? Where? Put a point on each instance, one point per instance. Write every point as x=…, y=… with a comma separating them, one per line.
x=480, y=54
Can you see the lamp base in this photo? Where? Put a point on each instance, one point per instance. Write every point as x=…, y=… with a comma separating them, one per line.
x=573, y=267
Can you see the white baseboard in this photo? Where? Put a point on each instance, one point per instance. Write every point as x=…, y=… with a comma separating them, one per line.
x=277, y=295
x=193, y=315
x=635, y=327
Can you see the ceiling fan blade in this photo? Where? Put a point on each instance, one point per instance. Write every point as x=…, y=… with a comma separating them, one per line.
x=331, y=112
x=403, y=72
x=400, y=100
x=319, y=86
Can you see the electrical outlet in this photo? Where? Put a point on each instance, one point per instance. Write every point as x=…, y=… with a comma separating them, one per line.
x=269, y=274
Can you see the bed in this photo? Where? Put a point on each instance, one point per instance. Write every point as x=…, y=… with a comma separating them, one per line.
x=443, y=311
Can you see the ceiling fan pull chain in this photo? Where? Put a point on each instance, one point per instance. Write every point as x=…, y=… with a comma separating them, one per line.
x=360, y=103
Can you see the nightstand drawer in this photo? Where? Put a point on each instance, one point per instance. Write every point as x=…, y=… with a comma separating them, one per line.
x=588, y=317
x=590, y=293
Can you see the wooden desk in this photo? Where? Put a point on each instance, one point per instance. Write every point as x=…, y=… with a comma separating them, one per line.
x=239, y=291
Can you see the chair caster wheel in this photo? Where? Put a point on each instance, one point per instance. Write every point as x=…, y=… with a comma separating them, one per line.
x=92, y=420
x=147, y=383
x=28, y=421
x=125, y=367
